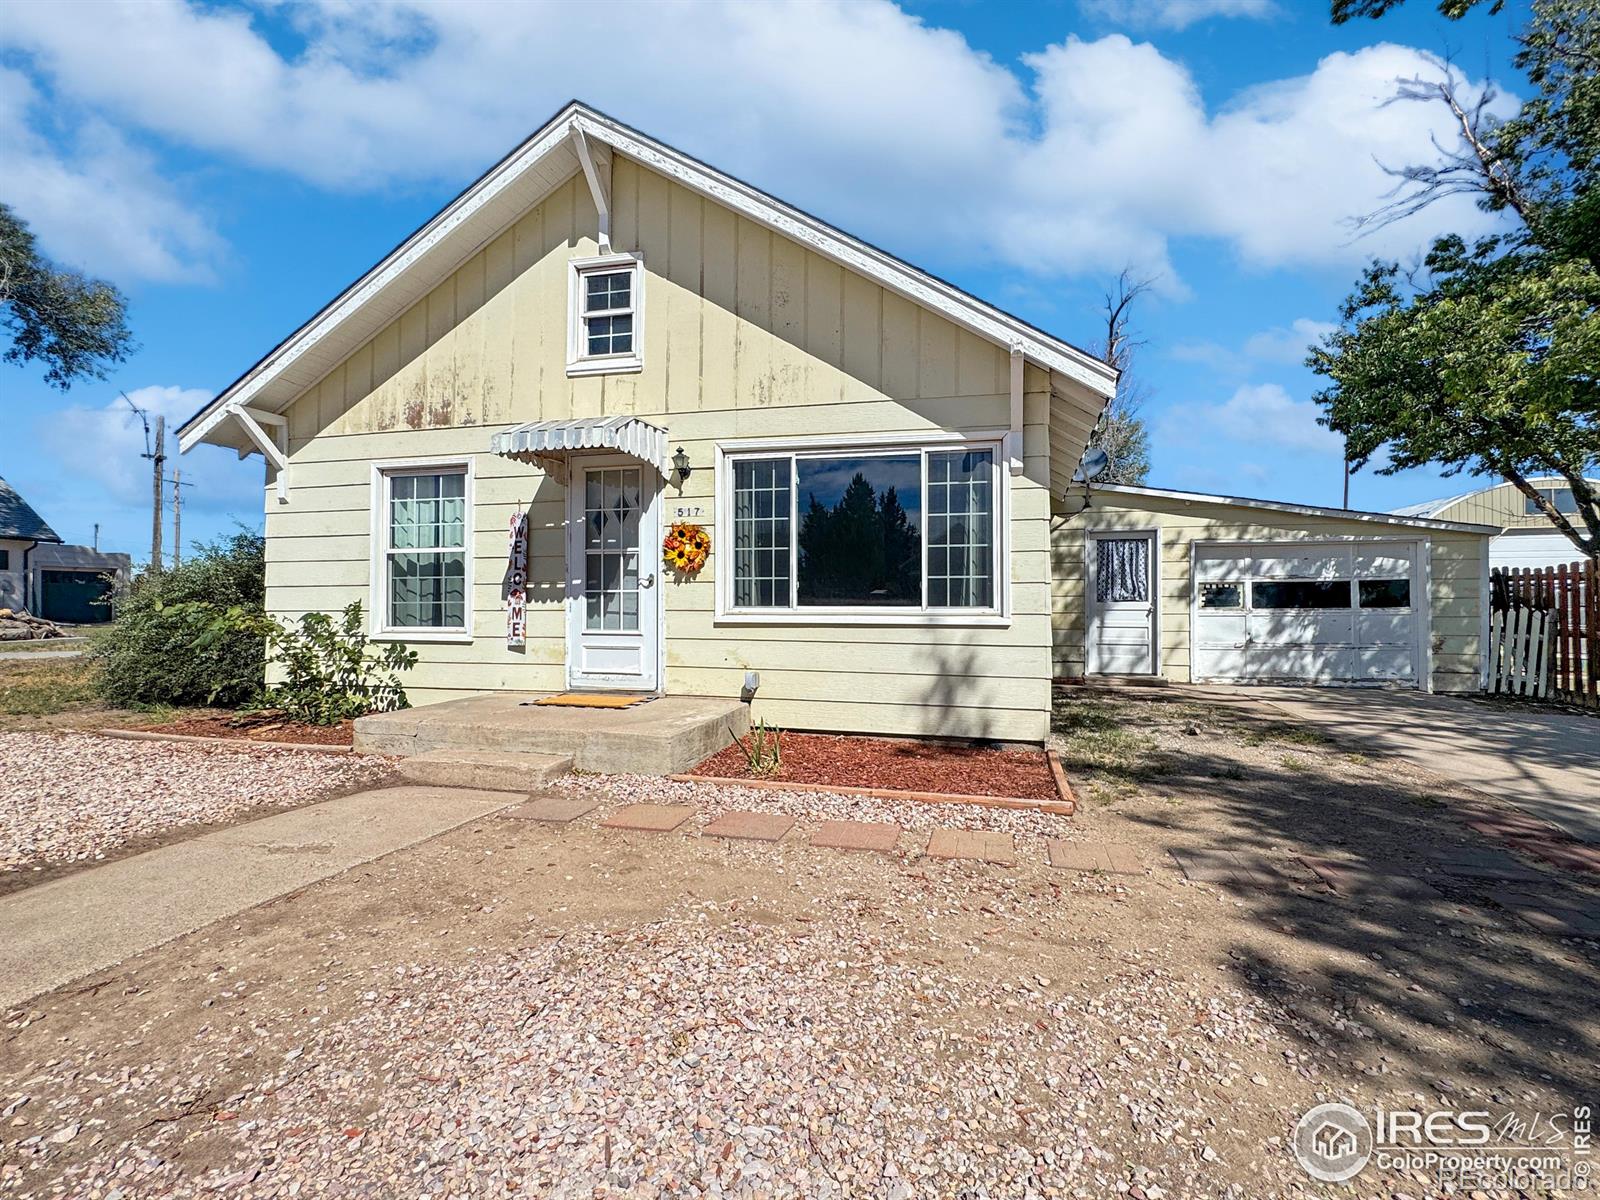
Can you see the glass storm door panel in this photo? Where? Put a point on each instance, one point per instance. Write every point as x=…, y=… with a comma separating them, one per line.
x=613, y=544
x=1122, y=632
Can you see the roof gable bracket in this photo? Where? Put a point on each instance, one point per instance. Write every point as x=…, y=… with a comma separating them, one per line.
x=274, y=449
x=597, y=171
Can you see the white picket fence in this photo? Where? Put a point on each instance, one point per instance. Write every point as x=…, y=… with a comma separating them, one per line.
x=1521, y=643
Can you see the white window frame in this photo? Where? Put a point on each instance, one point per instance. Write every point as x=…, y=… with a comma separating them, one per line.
x=378, y=598
x=727, y=453
x=579, y=360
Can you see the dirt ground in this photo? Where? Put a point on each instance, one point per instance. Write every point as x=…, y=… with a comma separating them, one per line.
x=516, y=1009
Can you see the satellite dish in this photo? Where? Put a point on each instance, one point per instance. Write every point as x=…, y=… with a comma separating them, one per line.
x=1091, y=466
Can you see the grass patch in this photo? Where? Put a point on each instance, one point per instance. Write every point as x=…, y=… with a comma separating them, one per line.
x=1291, y=763
x=1098, y=737
x=1284, y=733
x=1230, y=771
x=46, y=687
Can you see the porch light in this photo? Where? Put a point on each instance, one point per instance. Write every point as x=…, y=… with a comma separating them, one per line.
x=681, y=467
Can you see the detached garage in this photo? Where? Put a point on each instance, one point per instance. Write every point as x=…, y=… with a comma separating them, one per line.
x=1186, y=587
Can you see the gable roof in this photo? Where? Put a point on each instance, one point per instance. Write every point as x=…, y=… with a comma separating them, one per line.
x=1310, y=510
x=526, y=176
x=18, y=520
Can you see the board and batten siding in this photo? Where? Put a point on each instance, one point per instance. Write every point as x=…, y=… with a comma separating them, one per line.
x=746, y=335
x=1504, y=506
x=1456, y=575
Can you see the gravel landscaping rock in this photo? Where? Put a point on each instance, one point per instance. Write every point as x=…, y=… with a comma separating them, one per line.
x=704, y=1053
x=67, y=798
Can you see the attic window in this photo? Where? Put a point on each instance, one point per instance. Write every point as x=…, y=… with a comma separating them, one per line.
x=607, y=316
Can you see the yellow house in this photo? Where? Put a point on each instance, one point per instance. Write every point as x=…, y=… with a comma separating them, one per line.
x=602, y=337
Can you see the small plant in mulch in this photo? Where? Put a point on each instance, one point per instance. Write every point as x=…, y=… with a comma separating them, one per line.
x=763, y=751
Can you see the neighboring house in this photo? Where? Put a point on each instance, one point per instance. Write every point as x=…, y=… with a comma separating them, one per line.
x=1526, y=537
x=40, y=574
x=1190, y=587
x=872, y=451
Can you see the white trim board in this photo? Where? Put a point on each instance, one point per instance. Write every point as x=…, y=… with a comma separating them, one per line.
x=548, y=158
x=1311, y=510
x=377, y=556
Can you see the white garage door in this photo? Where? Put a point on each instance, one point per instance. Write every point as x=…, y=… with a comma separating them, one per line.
x=1308, y=612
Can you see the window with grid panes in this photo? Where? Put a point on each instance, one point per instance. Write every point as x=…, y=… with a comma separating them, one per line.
x=892, y=530
x=606, y=314
x=425, y=550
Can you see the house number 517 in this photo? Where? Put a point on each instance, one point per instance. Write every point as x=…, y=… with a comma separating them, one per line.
x=688, y=510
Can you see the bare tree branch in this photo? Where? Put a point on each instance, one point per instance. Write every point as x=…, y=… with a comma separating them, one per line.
x=1473, y=167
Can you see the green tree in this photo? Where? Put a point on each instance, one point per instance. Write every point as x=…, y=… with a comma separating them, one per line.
x=1487, y=358
x=75, y=325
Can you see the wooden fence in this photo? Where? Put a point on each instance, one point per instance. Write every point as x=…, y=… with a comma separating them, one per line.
x=1545, y=632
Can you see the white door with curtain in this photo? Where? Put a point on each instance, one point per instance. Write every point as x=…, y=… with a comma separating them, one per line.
x=613, y=574
x=1122, y=604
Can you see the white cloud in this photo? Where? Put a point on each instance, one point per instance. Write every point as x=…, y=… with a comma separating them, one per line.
x=1288, y=346
x=1259, y=414
x=1282, y=345
x=1173, y=14
x=98, y=204
x=1096, y=157
x=112, y=438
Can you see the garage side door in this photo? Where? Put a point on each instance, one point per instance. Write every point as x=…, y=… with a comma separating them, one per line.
x=1330, y=613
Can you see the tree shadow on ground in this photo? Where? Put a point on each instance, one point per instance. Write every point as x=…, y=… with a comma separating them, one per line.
x=1426, y=984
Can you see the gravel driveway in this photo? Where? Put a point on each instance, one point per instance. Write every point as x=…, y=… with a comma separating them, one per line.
x=75, y=798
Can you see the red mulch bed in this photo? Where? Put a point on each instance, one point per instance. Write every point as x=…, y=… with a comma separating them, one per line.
x=259, y=727
x=903, y=765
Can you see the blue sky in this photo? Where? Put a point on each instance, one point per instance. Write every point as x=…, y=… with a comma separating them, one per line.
x=233, y=167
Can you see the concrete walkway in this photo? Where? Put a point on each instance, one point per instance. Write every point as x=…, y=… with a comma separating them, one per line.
x=1543, y=762
x=83, y=923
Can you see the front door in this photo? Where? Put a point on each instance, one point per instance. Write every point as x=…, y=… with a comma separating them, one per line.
x=1122, y=604
x=613, y=574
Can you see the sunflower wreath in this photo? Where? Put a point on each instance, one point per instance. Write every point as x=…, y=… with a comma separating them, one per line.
x=685, y=548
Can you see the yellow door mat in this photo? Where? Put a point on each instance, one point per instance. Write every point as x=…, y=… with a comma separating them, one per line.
x=594, y=699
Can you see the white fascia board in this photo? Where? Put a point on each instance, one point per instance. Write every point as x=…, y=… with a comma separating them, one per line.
x=916, y=286
x=1310, y=510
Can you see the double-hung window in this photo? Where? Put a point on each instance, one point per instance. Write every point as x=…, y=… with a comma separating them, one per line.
x=422, y=578
x=607, y=318
x=886, y=531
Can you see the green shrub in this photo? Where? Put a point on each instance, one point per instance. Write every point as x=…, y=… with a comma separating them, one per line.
x=150, y=656
x=328, y=673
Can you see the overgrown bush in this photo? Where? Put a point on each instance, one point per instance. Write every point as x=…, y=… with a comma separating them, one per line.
x=328, y=674
x=150, y=656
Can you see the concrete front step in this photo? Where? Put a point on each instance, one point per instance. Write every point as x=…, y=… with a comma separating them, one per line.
x=662, y=736
x=485, y=770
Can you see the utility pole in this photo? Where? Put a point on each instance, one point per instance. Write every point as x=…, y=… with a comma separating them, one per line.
x=160, y=457
x=178, y=485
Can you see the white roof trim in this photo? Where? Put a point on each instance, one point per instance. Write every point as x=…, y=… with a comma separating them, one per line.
x=1310, y=510
x=540, y=441
x=918, y=286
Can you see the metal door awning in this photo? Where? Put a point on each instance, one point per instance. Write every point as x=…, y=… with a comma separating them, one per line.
x=548, y=443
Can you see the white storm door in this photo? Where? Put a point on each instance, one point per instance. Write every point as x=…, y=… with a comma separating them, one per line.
x=613, y=575
x=1122, y=604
